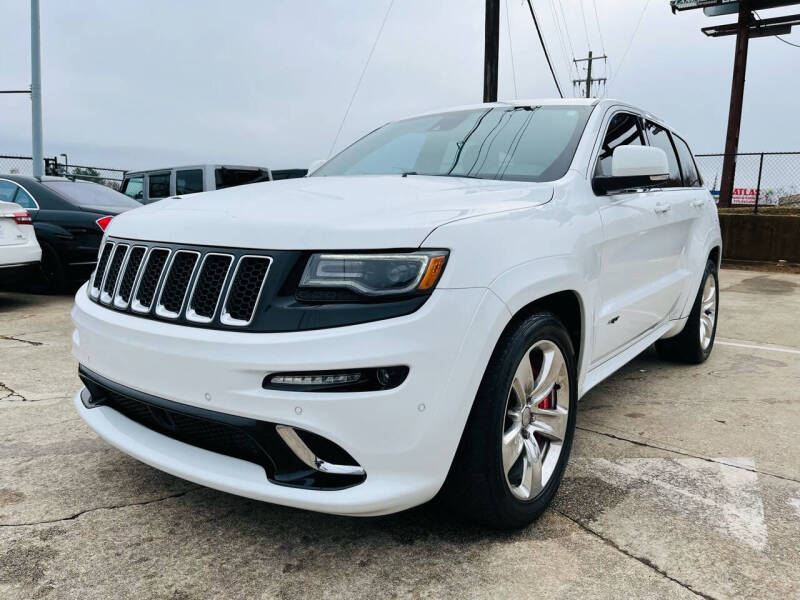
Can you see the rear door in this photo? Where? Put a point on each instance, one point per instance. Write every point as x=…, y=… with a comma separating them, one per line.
x=680, y=198
x=638, y=285
x=699, y=211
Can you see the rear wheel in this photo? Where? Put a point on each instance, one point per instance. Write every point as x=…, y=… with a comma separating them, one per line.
x=517, y=441
x=51, y=279
x=693, y=345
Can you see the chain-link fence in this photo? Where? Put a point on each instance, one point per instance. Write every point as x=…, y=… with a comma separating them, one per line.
x=23, y=165
x=761, y=179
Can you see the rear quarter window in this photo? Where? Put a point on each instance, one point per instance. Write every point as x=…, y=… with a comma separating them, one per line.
x=691, y=177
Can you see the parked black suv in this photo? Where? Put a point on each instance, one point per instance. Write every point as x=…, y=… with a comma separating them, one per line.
x=69, y=217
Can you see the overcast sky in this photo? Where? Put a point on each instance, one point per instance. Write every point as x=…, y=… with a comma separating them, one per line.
x=138, y=84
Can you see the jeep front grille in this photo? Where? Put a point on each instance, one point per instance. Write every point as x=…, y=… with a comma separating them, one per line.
x=196, y=285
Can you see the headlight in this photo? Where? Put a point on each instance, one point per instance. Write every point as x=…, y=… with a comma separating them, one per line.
x=376, y=275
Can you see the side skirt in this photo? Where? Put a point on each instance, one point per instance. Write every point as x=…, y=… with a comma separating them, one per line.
x=604, y=370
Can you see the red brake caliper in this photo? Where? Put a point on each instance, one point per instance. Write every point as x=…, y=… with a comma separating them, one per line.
x=545, y=404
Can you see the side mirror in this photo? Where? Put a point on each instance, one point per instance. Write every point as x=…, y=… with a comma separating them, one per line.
x=315, y=165
x=633, y=167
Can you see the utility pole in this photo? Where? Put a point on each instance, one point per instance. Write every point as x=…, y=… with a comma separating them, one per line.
x=737, y=99
x=491, y=54
x=36, y=93
x=589, y=80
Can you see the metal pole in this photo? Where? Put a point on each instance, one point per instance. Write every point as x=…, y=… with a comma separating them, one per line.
x=491, y=54
x=758, y=187
x=36, y=93
x=737, y=97
x=589, y=77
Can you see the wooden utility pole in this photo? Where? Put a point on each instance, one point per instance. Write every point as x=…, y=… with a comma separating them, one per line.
x=737, y=98
x=589, y=80
x=491, y=54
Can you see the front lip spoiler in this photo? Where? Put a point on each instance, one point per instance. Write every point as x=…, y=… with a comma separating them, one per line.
x=287, y=459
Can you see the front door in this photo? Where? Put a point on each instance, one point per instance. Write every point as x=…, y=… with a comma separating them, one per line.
x=640, y=279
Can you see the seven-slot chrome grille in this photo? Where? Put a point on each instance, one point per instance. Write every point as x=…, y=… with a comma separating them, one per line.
x=198, y=285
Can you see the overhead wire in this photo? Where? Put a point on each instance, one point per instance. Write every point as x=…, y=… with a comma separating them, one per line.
x=544, y=49
x=568, y=62
x=511, y=50
x=630, y=43
x=779, y=38
x=361, y=77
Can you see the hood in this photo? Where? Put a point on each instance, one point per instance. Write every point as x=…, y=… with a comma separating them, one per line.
x=326, y=213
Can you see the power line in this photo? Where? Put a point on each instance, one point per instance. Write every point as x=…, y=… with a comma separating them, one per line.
x=544, y=49
x=361, y=77
x=566, y=29
x=630, y=43
x=779, y=38
x=599, y=29
x=562, y=44
x=511, y=49
x=585, y=26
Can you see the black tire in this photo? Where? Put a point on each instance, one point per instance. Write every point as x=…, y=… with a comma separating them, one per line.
x=476, y=486
x=51, y=278
x=686, y=347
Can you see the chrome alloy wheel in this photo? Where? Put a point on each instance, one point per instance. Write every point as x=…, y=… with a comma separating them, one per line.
x=708, y=311
x=537, y=411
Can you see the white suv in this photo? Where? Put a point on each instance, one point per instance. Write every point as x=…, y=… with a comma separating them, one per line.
x=420, y=315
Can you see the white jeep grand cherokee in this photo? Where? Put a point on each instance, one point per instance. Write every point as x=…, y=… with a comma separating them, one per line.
x=419, y=315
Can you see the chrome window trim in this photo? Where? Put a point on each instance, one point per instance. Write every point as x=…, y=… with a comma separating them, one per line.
x=225, y=318
x=26, y=191
x=160, y=310
x=190, y=314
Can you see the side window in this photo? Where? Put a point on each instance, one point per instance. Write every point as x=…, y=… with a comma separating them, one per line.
x=226, y=177
x=624, y=129
x=691, y=178
x=7, y=191
x=24, y=199
x=159, y=185
x=189, y=181
x=660, y=138
x=133, y=187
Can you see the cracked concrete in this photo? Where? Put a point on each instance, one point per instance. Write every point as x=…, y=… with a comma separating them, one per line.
x=684, y=483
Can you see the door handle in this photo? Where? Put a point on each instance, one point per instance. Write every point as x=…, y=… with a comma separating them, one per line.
x=698, y=203
x=662, y=207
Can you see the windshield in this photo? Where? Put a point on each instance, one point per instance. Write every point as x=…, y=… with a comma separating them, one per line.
x=530, y=143
x=91, y=195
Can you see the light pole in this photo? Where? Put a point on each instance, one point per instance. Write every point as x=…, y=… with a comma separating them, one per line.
x=36, y=93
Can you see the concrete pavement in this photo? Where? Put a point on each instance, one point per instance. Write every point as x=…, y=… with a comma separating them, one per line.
x=684, y=483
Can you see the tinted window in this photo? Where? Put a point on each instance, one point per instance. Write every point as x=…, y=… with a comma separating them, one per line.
x=624, y=129
x=91, y=195
x=7, y=191
x=530, y=143
x=660, y=138
x=691, y=178
x=133, y=187
x=189, y=181
x=226, y=177
x=24, y=199
x=159, y=185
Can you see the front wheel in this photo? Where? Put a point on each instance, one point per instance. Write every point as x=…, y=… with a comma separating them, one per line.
x=693, y=345
x=519, y=434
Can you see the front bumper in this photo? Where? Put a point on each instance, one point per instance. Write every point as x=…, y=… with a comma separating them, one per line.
x=404, y=438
